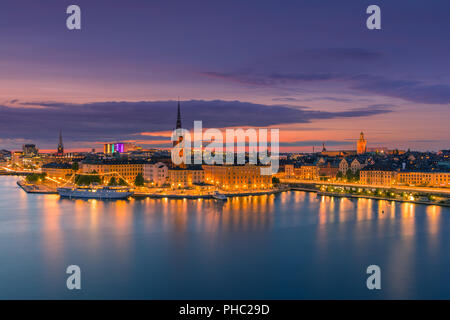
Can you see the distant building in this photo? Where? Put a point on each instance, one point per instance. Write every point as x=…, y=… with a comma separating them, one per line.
x=179, y=142
x=356, y=165
x=361, y=145
x=16, y=157
x=30, y=150
x=353, y=163
x=343, y=166
x=120, y=147
x=60, y=151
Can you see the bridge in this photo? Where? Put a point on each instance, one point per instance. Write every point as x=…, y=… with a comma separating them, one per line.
x=11, y=172
x=444, y=192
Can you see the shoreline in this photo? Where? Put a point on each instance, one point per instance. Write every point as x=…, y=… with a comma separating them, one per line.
x=40, y=189
x=362, y=196
x=205, y=196
x=32, y=189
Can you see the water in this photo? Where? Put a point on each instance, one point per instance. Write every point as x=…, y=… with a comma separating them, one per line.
x=293, y=245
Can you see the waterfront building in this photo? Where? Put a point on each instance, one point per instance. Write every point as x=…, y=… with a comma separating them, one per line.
x=304, y=172
x=237, y=177
x=329, y=170
x=57, y=170
x=377, y=177
x=289, y=171
x=127, y=169
x=432, y=179
x=186, y=177
x=156, y=173
x=361, y=145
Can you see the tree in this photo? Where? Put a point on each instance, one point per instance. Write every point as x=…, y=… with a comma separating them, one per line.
x=112, y=182
x=339, y=175
x=35, y=177
x=349, y=175
x=356, y=175
x=122, y=182
x=32, y=178
x=86, y=180
x=139, y=180
x=75, y=166
x=275, y=180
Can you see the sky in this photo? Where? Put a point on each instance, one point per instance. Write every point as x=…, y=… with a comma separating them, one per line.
x=309, y=68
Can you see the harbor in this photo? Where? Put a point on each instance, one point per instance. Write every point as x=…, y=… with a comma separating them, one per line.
x=185, y=194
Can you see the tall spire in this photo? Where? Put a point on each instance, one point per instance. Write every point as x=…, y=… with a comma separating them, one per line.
x=60, y=144
x=178, y=116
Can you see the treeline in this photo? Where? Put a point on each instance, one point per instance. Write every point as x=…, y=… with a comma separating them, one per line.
x=86, y=180
x=36, y=177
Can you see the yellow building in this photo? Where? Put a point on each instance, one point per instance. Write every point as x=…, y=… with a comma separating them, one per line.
x=387, y=178
x=377, y=177
x=57, y=170
x=237, y=177
x=432, y=179
x=306, y=172
x=185, y=177
x=127, y=169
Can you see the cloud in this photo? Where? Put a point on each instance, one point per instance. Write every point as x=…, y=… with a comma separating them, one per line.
x=414, y=91
x=285, y=99
x=121, y=120
x=310, y=143
x=340, y=54
x=273, y=79
x=409, y=90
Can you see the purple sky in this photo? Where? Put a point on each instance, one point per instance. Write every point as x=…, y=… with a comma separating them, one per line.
x=310, y=68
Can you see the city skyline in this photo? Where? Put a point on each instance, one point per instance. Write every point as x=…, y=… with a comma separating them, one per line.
x=311, y=70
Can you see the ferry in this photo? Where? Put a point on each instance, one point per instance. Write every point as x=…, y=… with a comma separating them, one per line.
x=95, y=192
x=219, y=196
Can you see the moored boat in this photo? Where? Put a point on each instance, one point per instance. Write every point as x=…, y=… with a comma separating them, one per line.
x=219, y=196
x=95, y=192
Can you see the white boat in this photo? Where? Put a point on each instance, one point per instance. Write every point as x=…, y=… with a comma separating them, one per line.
x=95, y=192
x=219, y=196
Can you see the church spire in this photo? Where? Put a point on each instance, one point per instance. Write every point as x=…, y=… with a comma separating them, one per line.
x=178, y=116
x=60, y=144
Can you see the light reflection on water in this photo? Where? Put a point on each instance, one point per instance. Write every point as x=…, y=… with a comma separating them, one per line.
x=291, y=245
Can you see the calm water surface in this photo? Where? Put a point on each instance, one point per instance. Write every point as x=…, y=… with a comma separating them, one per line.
x=289, y=246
